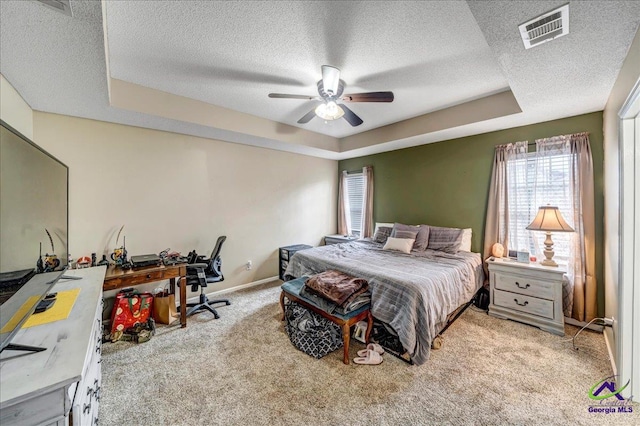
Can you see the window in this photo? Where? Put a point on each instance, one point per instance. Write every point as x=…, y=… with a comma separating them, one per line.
x=534, y=182
x=354, y=197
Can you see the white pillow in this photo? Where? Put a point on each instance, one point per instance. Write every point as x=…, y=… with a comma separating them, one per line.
x=379, y=224
x=466, y=239
x=399, y=244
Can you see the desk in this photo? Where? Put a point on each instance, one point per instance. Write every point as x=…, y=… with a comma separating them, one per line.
x=120, y=278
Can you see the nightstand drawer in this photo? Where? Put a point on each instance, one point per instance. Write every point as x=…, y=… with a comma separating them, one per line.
x=284, y=254
x=524, y=285
x=527, y=304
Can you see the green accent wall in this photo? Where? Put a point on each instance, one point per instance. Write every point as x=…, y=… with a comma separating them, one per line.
x=447, y=183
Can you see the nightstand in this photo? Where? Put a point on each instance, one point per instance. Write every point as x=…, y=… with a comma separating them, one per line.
x=528, y=293
x=337, y=239
x=286, y=253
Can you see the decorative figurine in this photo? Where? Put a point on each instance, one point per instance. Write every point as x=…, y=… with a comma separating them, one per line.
x=50, y=261
x=119, y=255
x=40, y=263
x=104, y=261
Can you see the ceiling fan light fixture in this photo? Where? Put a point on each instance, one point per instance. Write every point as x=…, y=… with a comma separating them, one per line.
x=329, y=111
x=330, y=79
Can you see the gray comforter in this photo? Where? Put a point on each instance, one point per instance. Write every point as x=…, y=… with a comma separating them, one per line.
x=413, y=293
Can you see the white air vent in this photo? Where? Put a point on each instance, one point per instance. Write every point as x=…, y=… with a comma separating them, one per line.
x=546, y=27
x=62, y=6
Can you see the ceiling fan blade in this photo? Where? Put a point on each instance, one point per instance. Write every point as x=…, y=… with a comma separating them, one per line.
x=369, y=97
x=351, y=116
x=307, y=117
x=286, y=96
x=330, y=79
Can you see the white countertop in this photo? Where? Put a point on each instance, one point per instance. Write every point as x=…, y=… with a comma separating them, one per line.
x=25, y=374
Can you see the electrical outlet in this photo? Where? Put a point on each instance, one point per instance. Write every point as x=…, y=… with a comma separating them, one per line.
x=248, y=265
x=608, y=321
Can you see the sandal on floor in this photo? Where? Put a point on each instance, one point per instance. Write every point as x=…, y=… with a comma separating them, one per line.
x=371, y=358
x=371, y=347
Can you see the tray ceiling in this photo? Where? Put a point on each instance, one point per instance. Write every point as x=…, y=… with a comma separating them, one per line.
x=205, y=68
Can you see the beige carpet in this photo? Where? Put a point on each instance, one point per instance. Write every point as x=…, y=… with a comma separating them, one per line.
x=242, y=370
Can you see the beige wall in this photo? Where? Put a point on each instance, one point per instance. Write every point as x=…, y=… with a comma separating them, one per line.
x=14, y=110
x=182, y=192
x=627, y=77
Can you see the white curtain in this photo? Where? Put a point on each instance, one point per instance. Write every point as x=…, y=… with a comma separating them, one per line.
x=564, y=178
x=367, y=203
x=509, y=164
x=344, y=223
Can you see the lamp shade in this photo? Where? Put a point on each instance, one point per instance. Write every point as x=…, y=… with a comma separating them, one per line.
x=549, y=219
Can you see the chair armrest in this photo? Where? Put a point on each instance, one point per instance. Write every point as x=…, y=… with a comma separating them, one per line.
x=197, y=265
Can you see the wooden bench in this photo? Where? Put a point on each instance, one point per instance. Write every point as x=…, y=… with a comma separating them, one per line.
x=291, y=290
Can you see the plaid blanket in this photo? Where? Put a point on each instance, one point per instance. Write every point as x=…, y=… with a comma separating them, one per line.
x=413, y=293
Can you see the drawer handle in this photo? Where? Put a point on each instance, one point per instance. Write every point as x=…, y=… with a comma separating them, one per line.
x=148, y=276
x=525, y=287
x=95, y=389
x=521, y=304
x=86, y=407
x=96, y=392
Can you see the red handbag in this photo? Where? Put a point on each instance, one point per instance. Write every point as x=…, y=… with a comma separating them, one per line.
x=130, y=308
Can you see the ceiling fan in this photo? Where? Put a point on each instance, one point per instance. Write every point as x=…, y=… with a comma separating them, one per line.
x=330, y=90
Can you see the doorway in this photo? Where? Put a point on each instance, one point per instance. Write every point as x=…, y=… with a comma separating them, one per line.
x=628, y=341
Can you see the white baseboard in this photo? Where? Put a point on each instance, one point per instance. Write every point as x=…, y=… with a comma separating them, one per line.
x=236, y=288
x=610, y=344
x=575, y=322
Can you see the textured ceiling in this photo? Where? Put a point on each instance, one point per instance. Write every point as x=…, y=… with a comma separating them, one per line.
x=432, y=55
x=234, y=53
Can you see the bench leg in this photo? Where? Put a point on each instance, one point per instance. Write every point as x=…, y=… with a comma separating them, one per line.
x=369, y=327
x=282, y=304
x=346, y=335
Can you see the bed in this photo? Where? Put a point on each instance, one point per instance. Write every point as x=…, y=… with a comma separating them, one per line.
x=413, y=293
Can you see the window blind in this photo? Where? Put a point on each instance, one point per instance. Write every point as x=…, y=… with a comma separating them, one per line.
x=355, y=200
x=533, y=182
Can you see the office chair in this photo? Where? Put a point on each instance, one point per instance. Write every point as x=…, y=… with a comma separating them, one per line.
x=200, y=273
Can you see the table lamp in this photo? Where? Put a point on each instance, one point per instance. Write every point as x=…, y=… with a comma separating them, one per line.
x=549, y=219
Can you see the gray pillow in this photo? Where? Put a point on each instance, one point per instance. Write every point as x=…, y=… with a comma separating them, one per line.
x=408, y=235
x=402, y=227
x=422, y=234
x=422, y=239
x=448, y=240
x=382, y=234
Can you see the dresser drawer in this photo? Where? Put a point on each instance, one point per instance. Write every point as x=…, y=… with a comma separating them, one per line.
x=127, y=280
x=522, y=303
x=524, y=285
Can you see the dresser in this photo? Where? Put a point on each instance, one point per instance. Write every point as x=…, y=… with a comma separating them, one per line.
x=61, y=385
x=528, y=293
x=337, y=239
